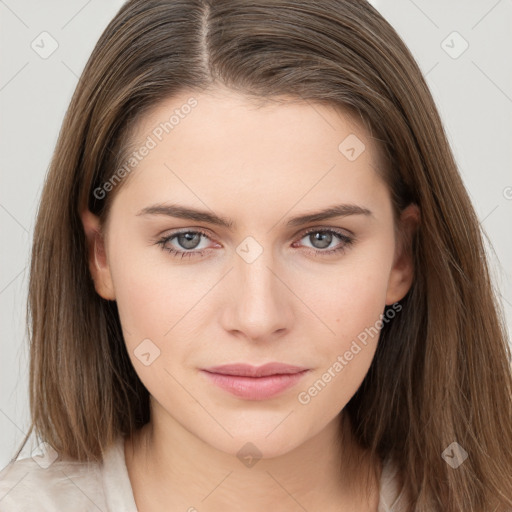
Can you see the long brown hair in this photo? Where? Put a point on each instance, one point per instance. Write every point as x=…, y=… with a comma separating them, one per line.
x=442, y=370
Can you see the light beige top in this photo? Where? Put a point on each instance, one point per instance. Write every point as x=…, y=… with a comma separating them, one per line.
x=36, y=483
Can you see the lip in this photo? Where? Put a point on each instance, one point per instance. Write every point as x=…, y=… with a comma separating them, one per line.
x=247, y=370
x=255, y=382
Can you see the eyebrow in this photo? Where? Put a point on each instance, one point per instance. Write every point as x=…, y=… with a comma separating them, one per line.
x=183, y=212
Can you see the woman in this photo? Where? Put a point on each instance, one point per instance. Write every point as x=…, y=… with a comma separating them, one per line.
x=257, y=279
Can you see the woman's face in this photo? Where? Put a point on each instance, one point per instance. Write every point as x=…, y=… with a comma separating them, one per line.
x=262, y=285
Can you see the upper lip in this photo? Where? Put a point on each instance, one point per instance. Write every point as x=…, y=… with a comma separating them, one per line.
x=247, y=370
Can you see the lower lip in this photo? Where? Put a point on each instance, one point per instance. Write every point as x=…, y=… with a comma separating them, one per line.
x=255, y=388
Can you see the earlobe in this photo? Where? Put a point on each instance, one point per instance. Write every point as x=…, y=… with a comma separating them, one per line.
x=97, y=256
x=402, y=273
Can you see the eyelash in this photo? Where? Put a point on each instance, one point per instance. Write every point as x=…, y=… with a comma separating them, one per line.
x=346, y=243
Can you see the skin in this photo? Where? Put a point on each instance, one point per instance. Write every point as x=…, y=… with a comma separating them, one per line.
x=259, y=166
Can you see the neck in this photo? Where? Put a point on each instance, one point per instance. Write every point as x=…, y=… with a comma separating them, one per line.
x=172, y=469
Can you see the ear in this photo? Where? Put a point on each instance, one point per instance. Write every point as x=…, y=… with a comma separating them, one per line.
x=402, y=273
x=97, y=256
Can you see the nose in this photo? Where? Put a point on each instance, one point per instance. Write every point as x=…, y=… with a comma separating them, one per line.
x=260, y=304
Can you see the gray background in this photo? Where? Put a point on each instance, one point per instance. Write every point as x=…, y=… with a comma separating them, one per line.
x=473, y=91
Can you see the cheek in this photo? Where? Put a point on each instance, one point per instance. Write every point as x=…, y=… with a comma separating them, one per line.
x=140, y=297
x=151, y=294
x=357, y=305
x=331, y=387
x=158, y=304
x=351, y=296
x=351, y=305
x=150, y=305
x=344, y=357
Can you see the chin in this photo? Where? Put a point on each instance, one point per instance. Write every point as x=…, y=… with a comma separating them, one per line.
x=253, y=445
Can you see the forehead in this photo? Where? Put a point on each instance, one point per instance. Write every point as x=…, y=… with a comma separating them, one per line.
x=221, y=145
x=221, y=112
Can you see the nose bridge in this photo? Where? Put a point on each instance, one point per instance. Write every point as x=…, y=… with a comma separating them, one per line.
x=260, y=304
x=256, y=279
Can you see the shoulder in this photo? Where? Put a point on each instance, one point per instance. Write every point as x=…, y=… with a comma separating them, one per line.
x=32, y=484
x=392, y=497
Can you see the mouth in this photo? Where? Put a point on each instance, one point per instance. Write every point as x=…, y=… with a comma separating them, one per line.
x=255, y=383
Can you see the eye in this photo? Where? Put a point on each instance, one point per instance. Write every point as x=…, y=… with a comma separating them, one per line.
x=187, y=242
x=321, y=239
